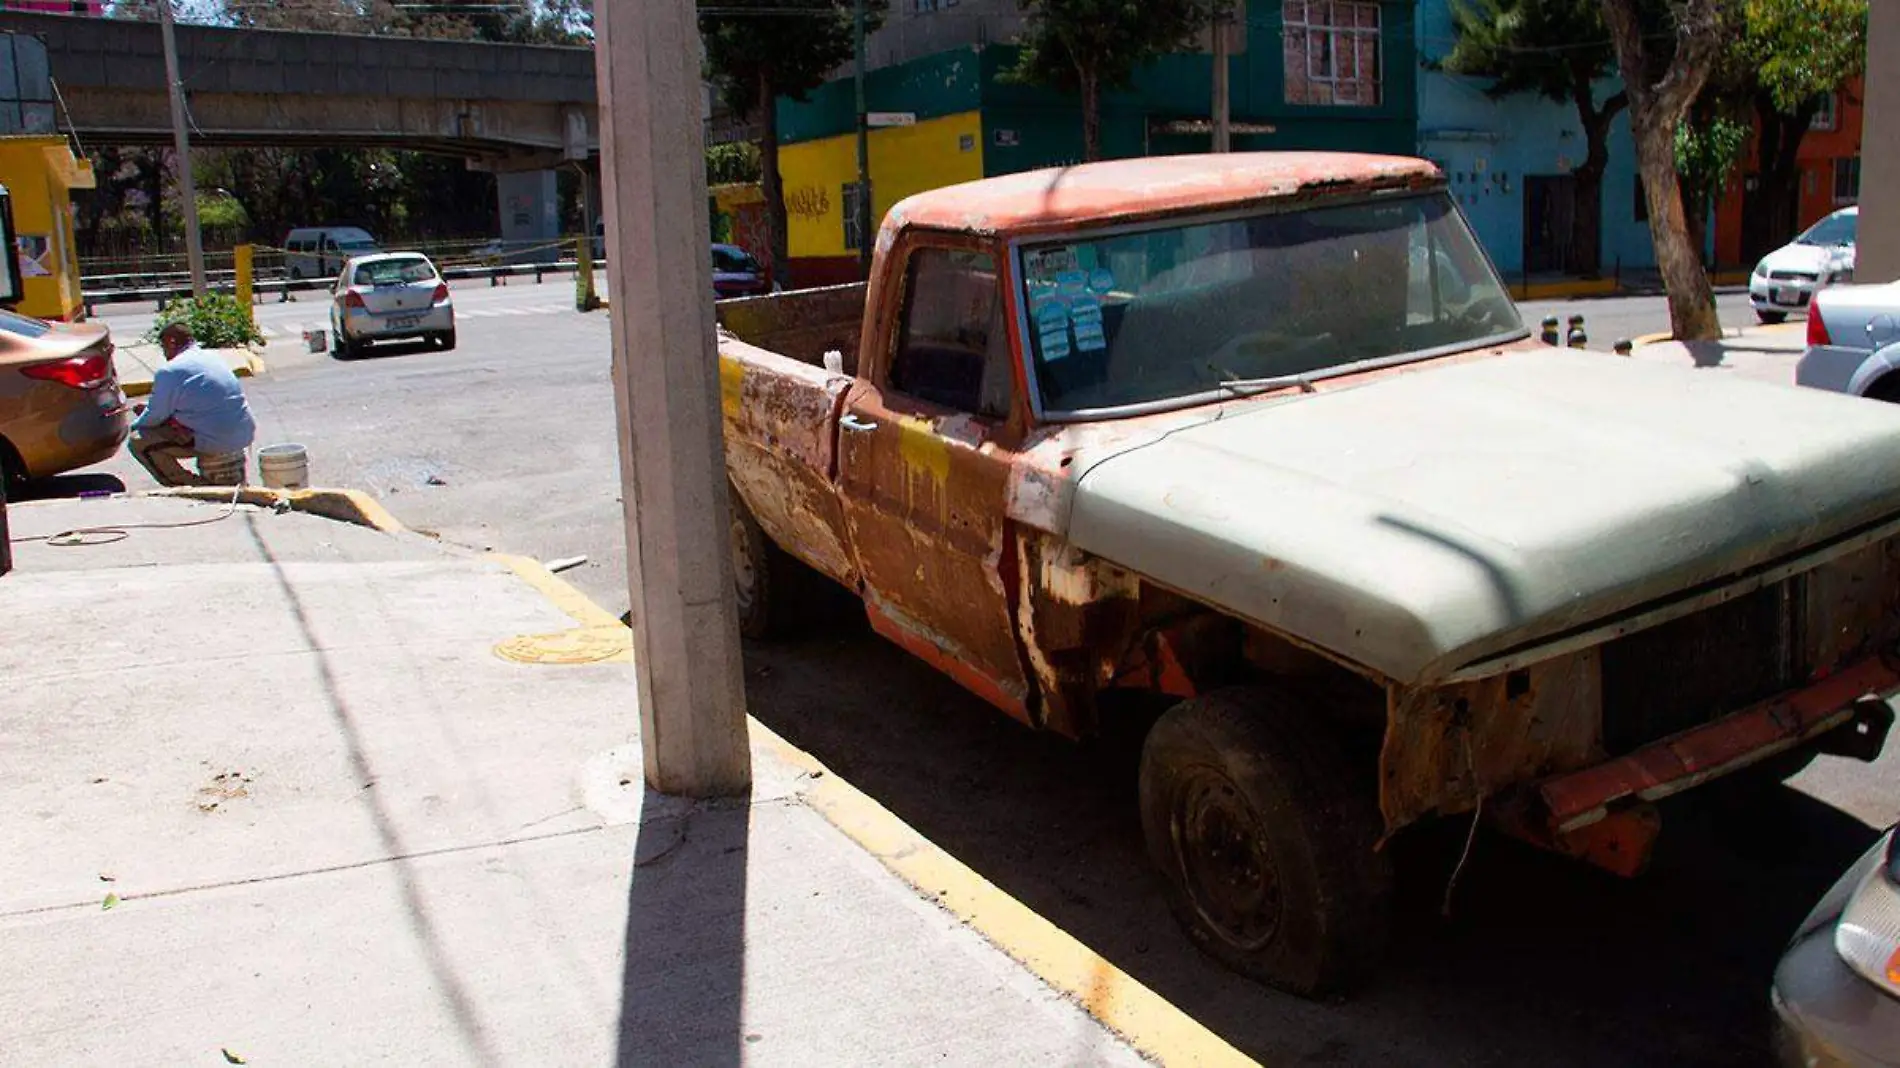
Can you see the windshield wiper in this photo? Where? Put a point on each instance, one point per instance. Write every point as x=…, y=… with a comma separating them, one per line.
x=1253, y=387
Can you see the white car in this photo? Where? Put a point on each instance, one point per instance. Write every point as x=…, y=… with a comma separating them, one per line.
x=390, y=296
x=1786, y=279
x=1854, y=342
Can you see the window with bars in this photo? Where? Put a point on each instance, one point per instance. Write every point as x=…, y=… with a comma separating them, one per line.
x=1847, y=180
x=1332, y=52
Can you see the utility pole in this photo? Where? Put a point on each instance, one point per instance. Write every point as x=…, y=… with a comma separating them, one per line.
x=686, y=659
x=864, y=154
x=1223, y=107
x=181, y=146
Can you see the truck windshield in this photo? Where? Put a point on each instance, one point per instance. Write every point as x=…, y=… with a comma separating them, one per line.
x=1181, y=312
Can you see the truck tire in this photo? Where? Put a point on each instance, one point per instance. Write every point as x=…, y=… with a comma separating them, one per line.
x=1265, y=833
x=765, y=577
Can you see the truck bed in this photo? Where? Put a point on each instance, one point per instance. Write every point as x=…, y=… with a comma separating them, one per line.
x=780, y=412
x=803, y=324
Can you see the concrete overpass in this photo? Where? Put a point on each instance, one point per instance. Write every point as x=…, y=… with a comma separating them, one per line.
x=503, y=107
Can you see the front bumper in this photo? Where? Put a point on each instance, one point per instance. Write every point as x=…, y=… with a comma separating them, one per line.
x=1601, y=813
x=1782, y=295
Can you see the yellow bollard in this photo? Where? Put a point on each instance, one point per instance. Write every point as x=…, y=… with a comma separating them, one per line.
x=585, y=298
x=241, y=261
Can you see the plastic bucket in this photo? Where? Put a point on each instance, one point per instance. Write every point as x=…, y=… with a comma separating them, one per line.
x=316, y=340
x=284, y=466
x=221, y=469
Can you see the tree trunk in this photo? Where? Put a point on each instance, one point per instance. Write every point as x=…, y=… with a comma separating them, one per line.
x=1091, y=116
x=1586, y=222
x=1692, y=314
x=772, y=184
x=1656, y=108
x=1777, y=173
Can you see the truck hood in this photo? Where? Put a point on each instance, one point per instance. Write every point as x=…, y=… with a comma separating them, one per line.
x=1428, y=520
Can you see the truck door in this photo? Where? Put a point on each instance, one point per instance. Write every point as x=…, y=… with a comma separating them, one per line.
x=924, y=458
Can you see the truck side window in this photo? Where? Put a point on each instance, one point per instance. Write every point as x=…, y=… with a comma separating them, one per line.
x=954, y=349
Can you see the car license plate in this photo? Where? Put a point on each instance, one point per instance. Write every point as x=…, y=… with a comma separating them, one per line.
x=1789, y=297
x=403, y=322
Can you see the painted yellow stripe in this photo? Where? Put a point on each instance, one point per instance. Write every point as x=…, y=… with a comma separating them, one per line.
x=1141, y=1017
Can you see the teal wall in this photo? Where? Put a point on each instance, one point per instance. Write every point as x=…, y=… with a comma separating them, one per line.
x=1026, y=127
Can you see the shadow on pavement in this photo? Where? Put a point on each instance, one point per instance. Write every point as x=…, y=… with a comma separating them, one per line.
x=382, y=351
x=69, y=486
x=683, y=980
x=1543, y=961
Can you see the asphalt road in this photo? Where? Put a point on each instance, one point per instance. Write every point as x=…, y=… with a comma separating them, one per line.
x=508, y=442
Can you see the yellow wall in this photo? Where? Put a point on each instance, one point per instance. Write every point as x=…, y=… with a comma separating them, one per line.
x=904, y=160
x=41, y=173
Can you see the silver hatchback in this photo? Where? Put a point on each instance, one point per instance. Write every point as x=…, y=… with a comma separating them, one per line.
x=390, y=296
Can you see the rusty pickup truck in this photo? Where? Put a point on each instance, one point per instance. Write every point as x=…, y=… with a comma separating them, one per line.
x=1257, y=446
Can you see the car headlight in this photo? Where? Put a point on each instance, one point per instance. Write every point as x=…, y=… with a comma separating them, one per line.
x=1868, y=935
x=1761, y=269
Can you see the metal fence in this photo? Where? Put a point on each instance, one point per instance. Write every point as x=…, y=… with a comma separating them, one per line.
x=279, y=271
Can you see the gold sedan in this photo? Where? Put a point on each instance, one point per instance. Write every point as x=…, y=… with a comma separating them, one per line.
x=60, y=403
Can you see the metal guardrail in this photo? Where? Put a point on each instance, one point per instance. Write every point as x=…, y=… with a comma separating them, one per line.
x=165, y=288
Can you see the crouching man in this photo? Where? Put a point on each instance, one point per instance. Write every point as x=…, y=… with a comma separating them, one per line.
x=196, y=411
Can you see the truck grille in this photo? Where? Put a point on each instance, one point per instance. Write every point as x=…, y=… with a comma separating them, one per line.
x=1691, y=670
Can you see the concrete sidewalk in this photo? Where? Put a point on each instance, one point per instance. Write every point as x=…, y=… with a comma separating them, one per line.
x=1759, y=353
x=136, y=362
x=314, y=793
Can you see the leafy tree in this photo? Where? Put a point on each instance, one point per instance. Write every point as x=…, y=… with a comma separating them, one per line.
x=1663, y=74
x=1707, y=149
x=1087, y=46
x=760, y=50
x=1557, y=49
x=1790, y=54
x=735, y=162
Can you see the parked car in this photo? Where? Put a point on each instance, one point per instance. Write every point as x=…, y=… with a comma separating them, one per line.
x=321, y=251
x=390, y=296
x=737, y=274
x=1786, y=279
x=1203, y=447
x=1837, y=989
x=1854, y=342
x=60, y=403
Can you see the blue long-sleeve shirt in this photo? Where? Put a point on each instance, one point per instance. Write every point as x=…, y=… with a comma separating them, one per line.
x=198, y=390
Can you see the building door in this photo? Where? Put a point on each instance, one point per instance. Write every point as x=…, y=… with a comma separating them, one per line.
x=1760, y=235
x=1550, y=203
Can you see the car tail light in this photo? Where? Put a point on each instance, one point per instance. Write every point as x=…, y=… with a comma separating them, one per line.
x=79, y=372
x=1817, y=326
x=353, y=299
x=441, y=292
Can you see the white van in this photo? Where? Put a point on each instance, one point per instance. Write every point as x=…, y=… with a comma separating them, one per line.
x=320, y=251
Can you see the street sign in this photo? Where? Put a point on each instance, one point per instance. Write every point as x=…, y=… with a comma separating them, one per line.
x=879, y=119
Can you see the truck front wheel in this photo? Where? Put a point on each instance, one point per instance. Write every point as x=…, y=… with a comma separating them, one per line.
x=1265, y=833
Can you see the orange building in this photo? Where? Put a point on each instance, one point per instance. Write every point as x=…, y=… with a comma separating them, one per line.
x=1829, y=161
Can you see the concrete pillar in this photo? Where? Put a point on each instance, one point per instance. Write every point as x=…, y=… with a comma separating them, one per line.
x=1877, y=258
x=530, y=215
x=666, y=390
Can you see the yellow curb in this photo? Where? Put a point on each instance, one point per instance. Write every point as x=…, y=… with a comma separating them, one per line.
x=1580, y=287
x=343, y=505
x=1652, y=339
x=1141, y=1017
x=600, y=638
x=1788, y=327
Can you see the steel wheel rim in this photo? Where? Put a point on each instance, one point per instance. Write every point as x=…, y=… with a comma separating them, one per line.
x=745, y=570
x=1220, y=851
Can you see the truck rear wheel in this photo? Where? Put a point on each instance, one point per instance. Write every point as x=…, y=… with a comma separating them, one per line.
x=765, y=577
x=1265, y=834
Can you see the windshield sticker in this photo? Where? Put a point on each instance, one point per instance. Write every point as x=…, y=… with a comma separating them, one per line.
x=1086, y=313
x=1052, y=314
x=1055, y=343
x=1072, y=284
x=1101, y=280
x=1046, y=264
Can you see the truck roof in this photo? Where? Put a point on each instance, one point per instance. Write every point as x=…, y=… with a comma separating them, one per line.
x=1118, y=190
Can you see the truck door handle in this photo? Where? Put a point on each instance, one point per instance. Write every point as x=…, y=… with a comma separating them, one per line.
x=855, y=425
